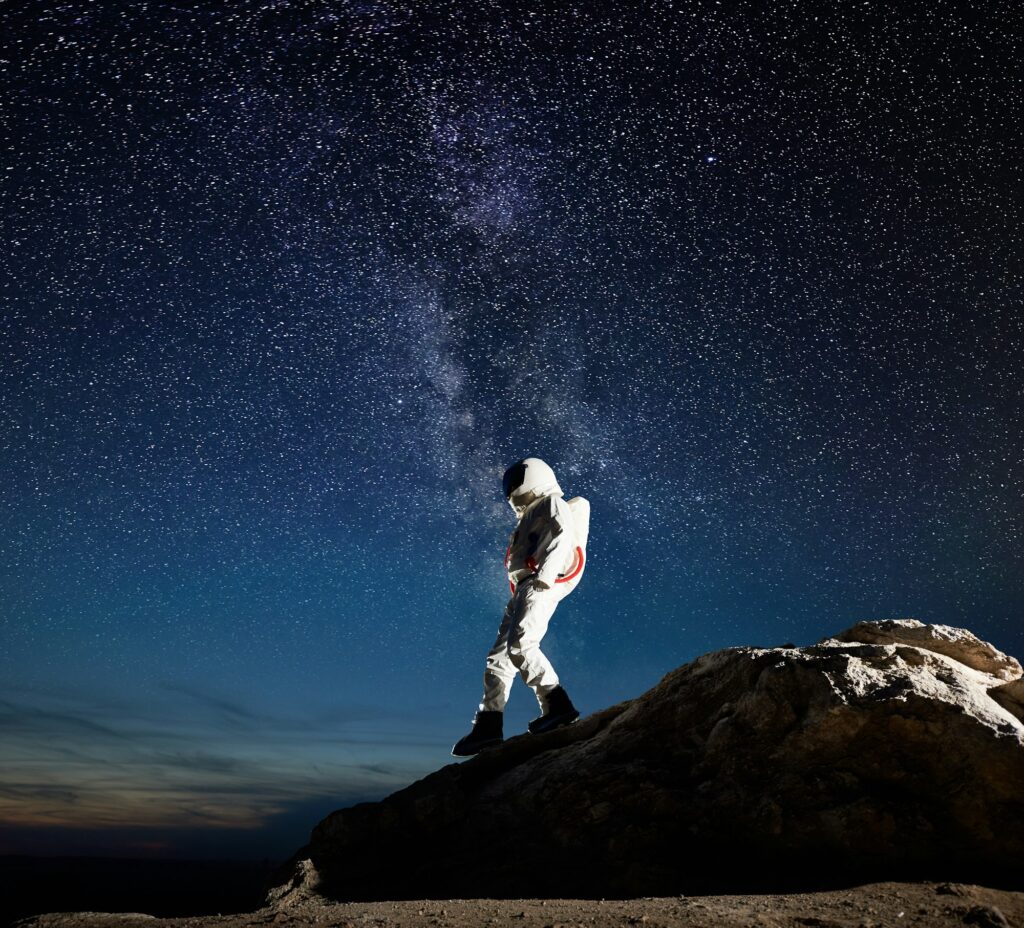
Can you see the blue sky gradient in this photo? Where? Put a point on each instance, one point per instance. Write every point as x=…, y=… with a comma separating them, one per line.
x=287, y=287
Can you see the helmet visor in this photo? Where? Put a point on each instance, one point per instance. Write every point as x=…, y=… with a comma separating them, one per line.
x=513, y=479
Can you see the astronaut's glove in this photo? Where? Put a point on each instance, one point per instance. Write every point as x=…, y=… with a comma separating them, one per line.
x=541, y=584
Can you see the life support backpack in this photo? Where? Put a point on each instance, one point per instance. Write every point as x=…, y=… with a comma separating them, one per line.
x=581, y=519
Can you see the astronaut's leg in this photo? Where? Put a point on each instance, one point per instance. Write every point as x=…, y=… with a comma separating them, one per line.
x=532, y=609
x=500, y=672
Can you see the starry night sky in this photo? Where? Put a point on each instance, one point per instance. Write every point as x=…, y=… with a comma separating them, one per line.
x=287, y=286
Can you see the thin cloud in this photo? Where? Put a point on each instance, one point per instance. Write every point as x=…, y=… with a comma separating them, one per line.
x=75, y=765
x=25, y=718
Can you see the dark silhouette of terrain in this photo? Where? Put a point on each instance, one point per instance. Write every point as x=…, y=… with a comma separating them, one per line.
x=33, y=885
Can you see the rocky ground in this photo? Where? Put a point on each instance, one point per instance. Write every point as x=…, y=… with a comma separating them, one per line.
x=877, y=905
x=893, y=750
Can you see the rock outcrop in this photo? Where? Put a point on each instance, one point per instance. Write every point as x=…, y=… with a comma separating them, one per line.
x=894, y=749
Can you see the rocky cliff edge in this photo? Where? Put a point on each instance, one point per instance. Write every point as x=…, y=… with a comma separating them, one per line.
x=894, y=749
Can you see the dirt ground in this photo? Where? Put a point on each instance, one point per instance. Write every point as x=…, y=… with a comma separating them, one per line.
x=876, y=905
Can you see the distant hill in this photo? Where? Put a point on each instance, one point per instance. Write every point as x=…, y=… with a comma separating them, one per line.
x=33, y=885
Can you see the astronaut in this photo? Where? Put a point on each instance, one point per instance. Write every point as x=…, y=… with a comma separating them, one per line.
x=545, y=560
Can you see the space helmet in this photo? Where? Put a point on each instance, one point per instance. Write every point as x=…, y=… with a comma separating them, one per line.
x=527, y=481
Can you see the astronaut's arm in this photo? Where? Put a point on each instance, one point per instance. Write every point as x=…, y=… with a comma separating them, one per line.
x=557, y=552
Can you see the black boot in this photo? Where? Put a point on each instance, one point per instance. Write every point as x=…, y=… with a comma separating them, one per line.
x=486, y=732
x=560, y=712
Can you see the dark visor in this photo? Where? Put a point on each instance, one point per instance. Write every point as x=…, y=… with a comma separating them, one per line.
x=513, y=479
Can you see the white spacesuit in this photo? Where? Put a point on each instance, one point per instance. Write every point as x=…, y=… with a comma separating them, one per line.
x=545, y=560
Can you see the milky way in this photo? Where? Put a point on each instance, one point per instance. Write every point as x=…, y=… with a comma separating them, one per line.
x=287, y=285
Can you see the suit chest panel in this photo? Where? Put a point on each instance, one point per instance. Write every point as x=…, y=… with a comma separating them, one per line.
x=527, y=537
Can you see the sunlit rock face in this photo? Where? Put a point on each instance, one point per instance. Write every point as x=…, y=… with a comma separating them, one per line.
x=893, y=749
